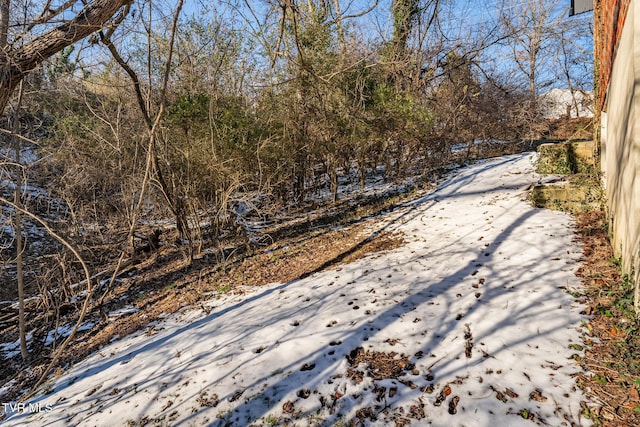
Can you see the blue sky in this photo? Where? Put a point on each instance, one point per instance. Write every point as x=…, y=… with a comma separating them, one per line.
x=459, y=19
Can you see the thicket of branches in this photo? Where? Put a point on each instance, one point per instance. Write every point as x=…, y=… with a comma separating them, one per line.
x=185, y=122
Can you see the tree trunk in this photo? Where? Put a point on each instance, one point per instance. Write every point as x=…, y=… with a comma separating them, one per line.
x=7, y=85
x=17, y=228
x=15, y=64
x=405, y=13
x=362, y=169
x=4, y=23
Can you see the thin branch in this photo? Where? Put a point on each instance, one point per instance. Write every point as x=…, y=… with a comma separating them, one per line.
x=85, y=305
x=151, y=161
x=17, y=135
x=137, y=86
x=90, y=19
x=47, y=15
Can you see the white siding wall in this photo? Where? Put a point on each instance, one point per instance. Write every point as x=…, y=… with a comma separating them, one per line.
x=621, y=147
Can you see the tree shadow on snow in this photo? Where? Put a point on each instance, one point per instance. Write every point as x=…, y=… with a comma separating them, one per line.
x=323, y=362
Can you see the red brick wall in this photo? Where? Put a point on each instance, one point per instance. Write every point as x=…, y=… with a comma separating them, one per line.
x=609, y=17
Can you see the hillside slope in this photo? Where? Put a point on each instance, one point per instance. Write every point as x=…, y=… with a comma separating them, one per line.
x=470, y=322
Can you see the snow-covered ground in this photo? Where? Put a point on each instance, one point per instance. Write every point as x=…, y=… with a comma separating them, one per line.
x=475, y=308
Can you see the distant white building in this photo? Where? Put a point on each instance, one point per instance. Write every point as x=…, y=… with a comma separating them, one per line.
x=560, y=102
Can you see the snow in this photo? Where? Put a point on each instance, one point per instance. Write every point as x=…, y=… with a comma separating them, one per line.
x=12, y=349
x=123, y=311
x=29, y=154
x=556, y=102
x=58, y=334
x=61, y=332
x=478, y=258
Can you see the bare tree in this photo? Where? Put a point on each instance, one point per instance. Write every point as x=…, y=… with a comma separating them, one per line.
x=19, y=54
x=575, y=60
x=532, y=25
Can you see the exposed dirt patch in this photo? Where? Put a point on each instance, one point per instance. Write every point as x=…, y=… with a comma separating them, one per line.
x=379, y=365
x=291, y=259
x=613, y=332
x=570, y=129
x=166, y=283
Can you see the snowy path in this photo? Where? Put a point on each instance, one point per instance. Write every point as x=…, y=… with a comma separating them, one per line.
x=476, y=300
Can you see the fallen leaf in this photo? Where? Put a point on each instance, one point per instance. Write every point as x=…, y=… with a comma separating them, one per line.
x=512, y=394
x=446, y=390
x=169, y=403
x=453, y=404
x=287, y=408
x=537, y=395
